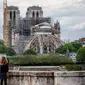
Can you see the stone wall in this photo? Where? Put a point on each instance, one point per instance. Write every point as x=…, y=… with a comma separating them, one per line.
x=46, y=78
x=69, y=78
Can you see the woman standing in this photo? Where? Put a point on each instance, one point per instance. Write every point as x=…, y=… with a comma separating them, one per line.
x=3, y=70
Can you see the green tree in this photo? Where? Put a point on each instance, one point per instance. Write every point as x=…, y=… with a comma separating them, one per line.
x=72, y=47
x=7, y=50
x=30, y=51
x=1, y=42
x=10, y=51
x=2, y=49
x=61, y=50
x=77, y=45
x=81, y=55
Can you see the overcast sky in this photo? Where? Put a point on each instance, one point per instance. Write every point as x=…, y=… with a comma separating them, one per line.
x=70, y=14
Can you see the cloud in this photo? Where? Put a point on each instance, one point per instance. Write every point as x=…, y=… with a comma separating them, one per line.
x=72, y=35
x=79, y=26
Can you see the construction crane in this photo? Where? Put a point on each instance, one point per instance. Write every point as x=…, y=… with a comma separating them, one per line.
x=5, y=22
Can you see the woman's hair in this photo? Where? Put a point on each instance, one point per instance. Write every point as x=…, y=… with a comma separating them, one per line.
x=0, y=60
x=4, y=60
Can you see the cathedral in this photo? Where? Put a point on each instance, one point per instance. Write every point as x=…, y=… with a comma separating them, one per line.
x=34, y=31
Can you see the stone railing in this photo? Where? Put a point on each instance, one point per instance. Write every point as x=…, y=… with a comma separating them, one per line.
x=46, y=78
x=37, y=68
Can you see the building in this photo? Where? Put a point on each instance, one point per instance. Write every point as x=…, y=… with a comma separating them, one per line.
x=33, y=31
x=73, y=55
x=82, y=40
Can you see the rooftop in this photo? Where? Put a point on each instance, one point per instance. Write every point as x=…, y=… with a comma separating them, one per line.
x=13, y=7
x=34, y=8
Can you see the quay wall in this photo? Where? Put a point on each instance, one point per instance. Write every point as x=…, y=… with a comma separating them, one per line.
x=46, y=78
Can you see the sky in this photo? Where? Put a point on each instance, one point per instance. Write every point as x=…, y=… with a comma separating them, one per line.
x=70, y=14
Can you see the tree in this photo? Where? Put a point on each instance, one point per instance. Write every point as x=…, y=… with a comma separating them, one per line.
x=61, y=50
x=1, y=42
x=10, y=51
x=81, y=55
x=30, y=51
x=77, y=45
x=72, y=47
x=6, y=50
x=2, y=49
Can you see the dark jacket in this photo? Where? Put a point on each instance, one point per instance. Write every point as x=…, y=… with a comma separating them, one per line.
x=4, y=68
x=3, y=71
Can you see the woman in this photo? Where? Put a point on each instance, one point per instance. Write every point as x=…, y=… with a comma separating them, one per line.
x=3, y=70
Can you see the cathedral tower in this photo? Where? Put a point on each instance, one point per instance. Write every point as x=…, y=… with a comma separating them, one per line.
x=13, y=18
x=34, y=12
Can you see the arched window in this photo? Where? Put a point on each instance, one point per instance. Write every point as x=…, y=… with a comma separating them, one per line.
x=37, y=15
x=33, y=14
x=45, y=49
x=14, y=17
x=10, y=15
x=58, y=30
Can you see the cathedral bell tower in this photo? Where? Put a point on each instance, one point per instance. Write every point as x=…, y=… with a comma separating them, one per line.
x=34, y=12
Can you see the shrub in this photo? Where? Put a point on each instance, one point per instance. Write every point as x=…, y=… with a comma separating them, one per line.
x=30, y=60
x=30, y=51
x=73, y=67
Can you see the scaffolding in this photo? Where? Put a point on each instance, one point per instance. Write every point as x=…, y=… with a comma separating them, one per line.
x=5, y=23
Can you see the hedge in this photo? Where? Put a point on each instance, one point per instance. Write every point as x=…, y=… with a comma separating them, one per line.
x=34, y=60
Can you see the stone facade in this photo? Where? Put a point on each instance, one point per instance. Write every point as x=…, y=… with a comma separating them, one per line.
x=31, y=31
x=34, y=12
x=13, y=16
x=46, y=78
x=13, y=19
